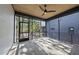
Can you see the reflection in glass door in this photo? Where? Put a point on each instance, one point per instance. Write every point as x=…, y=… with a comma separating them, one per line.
x=28, y=28
x=23, y=30
x=37, y=28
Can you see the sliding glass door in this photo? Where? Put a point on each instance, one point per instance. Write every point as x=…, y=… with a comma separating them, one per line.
x=22, y=28
x=36, y=29
x=29, y=28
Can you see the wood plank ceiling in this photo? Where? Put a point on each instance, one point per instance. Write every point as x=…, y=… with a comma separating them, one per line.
x=34, y=10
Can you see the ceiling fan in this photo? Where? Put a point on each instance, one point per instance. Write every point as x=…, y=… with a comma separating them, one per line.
x=45, y=11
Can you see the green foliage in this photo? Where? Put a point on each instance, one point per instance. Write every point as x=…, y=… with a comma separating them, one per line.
x=34, y=26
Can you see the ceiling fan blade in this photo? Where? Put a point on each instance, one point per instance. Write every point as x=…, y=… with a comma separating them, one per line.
x=43, y=14
x=41, y=8
x=45, y=6
x=51, y=11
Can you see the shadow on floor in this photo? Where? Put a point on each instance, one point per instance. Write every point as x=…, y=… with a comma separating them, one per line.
x=44, y=46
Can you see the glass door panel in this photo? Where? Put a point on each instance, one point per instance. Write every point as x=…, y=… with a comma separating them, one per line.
x=24, y=29
x=29, y=28
x=36, y=28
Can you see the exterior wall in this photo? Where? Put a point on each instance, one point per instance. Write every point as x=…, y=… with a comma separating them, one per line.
x=66, y=22
x=52, y=29
x=6, y=27
x=69, y=21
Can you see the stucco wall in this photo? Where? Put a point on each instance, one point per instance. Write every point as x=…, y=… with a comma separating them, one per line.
x=71, y=20
x=6, y=27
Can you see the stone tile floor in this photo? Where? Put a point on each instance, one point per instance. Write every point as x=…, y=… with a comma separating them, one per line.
x=44, y=46
x=13, y=49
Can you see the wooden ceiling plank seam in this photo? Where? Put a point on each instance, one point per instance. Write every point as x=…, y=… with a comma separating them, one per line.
x=53, y=16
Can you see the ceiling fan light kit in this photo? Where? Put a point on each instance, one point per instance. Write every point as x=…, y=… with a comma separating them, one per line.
x=45, y=11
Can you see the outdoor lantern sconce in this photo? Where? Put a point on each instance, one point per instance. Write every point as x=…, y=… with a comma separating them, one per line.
x=71, y=28
x=71, y=32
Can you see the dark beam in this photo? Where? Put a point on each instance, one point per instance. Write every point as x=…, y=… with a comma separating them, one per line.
x=23, y=14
